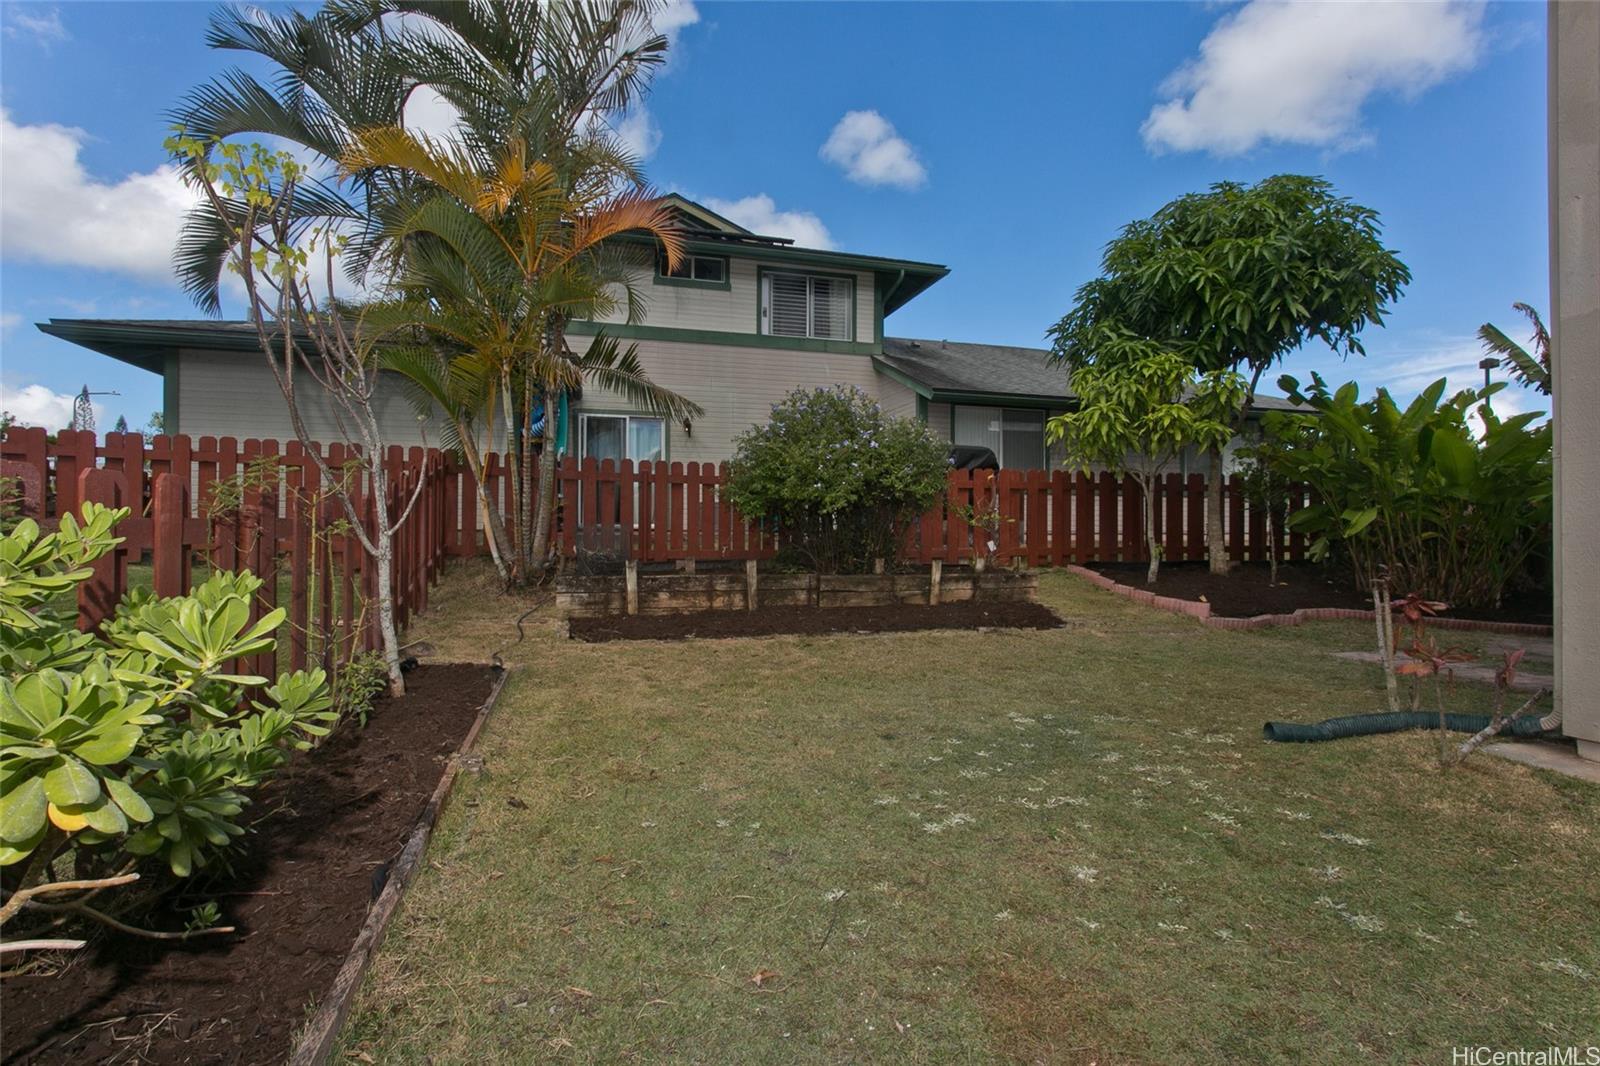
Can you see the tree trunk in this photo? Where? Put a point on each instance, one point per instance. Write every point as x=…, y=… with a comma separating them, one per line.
x=1272, y=548
x=1216, y=535
x=546, y=487
x=1150, y=532
x=383, y=559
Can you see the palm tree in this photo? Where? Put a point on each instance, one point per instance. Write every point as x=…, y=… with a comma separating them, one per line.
x=495, y=263
x=1529, y=369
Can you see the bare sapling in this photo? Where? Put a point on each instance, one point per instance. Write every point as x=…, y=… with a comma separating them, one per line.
x=287, y=266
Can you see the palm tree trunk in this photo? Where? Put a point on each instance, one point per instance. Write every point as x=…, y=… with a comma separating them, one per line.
x=547, y=481
x=534, y=556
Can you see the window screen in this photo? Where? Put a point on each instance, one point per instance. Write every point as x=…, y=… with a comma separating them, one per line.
x=800, y=305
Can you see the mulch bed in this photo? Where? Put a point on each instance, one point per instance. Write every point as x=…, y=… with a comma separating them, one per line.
x=1245, y=592
x=324, y=831
x=775, y=621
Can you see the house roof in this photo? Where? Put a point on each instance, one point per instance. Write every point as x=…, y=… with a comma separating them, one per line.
x=992, y=374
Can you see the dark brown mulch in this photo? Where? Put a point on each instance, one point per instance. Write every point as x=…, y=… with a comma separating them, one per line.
x=774, y=621
x=324, y=830
x=1246, y=591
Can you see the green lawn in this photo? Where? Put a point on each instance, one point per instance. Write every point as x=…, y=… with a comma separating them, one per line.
x=951, y=847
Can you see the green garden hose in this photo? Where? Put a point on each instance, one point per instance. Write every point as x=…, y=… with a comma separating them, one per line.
x=1360, y=725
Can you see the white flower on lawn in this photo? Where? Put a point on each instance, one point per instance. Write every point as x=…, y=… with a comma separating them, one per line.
x=1172, y=928
x=1111, y=756
x=833, y=895
x=1086, y=874
x=1225, y=934
x=886, y=801
x=1002, y=916
x=1086, y=923
x=647, y=825
x=723, y=823
x=1223, y=819
x=1568, y=967
x=1463, y=918
x=1346, y=838
x=1294, y=816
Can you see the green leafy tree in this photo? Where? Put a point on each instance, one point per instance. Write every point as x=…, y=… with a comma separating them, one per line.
x=135, y=742
x=1531, y=369
x=1138, y=409
x=1235, y=278
x=840, y=479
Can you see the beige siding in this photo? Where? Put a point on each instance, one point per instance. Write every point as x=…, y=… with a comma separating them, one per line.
x=730, y=310
x=896, y=400
x=736, y=386
x=233, y=394
x=939, y=419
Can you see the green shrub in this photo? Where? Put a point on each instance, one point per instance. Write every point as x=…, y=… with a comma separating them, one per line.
x=839, y=478
x=1447, y=514
x=137, y=741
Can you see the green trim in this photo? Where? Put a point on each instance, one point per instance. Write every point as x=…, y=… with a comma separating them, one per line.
x=169, y=392
x=895, y=374
x=922, y=409
x=683, y=203
x=579, y=411
x=761, y=284
x=713, y=336
x=726, y=284
x=1000, y=399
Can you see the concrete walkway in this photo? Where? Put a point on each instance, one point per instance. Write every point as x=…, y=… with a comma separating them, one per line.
x=1559, y=756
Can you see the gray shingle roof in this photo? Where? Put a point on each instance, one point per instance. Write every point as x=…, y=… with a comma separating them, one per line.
x=997, y=369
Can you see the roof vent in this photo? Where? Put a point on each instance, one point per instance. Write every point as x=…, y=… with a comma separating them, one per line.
x=916, y=344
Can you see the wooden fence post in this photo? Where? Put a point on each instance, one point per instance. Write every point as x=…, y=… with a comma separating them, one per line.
x=750, y=584
x=169, y=555
x=631, y=576
x=935, y=581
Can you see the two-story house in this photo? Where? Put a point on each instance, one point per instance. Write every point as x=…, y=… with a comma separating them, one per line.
x=739, y=323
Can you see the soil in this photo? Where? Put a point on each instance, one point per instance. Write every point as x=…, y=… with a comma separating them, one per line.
x=324, y=831
x=774, y=621
x=1246, y=591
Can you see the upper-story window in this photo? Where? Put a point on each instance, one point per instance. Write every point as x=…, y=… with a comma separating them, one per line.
x=709, y=269
x=807, y=305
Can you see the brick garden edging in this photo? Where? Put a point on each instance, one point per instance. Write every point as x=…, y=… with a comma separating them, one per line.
x=315, y=1042
x=1202, y=611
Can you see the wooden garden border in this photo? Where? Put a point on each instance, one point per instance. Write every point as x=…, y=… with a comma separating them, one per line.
x=1201, y=612
x=317, y=1039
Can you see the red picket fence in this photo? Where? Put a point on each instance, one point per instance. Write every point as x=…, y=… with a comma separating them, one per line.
x=654, y=512
x=223, y=505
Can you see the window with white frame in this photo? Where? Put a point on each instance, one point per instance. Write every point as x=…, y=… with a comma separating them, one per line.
x=1015, y=435
x=710, y=269
x=807, y=305
x=641, y=438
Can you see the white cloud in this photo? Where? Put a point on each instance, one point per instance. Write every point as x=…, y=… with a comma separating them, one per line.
x=43, y=24
x=36, y=405
x=760, y=214
x=53, y=211
x=672, y=17
x=1300, y=73
x=638, y=132
x=9, y=320
x=866, y=146
x=428, y=112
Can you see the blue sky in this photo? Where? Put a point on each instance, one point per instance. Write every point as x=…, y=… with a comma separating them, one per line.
x=1008, y=141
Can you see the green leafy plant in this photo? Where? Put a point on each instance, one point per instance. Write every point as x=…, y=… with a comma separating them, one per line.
x=357, y=684
x=1414, y=493
x=137, y=741
x=839, y=477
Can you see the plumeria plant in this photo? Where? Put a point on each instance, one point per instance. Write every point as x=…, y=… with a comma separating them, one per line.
x=135, y=741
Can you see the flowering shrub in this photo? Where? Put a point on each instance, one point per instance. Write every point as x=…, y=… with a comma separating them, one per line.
x=840, y=478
